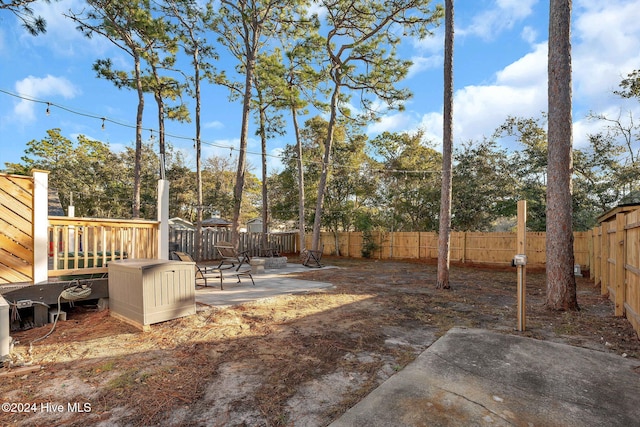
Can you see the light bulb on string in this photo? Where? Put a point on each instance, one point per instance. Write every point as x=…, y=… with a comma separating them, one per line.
x=103, y=119
x=48, y=110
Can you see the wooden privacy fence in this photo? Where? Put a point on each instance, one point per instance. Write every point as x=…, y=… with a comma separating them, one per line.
x=183, y=240
x=616, y=254
x=466, y=247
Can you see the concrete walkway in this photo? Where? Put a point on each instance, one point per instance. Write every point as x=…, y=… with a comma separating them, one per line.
x=271, y=283
x=473, y=377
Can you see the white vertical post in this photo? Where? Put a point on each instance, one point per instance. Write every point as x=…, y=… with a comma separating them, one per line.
x=72, y=229
x=40, y=225
x=163, y=217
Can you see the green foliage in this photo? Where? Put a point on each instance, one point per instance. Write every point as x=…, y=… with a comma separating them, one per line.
x=602, y=172
x=87, y=171
x=529, y=166
x=365, y=224
x=100, y=181
x=348, y=188
x=483, y=186
x=630, y=86
x=22, y=10
x=410, y=192
x=297, y=64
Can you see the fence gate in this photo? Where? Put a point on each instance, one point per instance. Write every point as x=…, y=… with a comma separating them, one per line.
x=16, y=228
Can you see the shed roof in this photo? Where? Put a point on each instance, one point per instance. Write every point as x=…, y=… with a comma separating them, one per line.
x=630, y=202
x=216, y=222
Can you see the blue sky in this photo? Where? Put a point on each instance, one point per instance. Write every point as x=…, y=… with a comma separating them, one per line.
x=500, y=70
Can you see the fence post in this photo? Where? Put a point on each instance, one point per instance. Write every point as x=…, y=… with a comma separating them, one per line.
x=604, y=259
x=464, y=246
x=620, y=264
x=40, y=226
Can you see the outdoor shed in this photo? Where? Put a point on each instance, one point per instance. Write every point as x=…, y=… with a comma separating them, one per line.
x=254, y=225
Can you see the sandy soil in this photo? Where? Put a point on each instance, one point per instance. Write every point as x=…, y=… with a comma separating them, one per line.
x=298, y=360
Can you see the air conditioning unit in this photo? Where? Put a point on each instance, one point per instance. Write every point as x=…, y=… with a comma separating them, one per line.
x=147, y=291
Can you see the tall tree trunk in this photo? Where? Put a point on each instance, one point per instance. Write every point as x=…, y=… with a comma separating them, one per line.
x=301, y=222
x=198, y=239
x=242, y=153
x=444, y=235
x=265, y=187
x=161, y=146
x=137, y=165
x=561, y=282
x=326, y=159
x=157, y=95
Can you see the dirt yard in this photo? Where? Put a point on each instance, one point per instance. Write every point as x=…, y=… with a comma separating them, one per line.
x=299, y=360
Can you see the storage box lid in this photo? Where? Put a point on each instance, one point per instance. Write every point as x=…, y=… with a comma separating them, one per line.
x=143, y=263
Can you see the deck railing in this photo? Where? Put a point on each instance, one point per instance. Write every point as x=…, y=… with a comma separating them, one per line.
x=86, y=245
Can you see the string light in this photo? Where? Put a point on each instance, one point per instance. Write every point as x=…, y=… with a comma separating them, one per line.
x=126, y=125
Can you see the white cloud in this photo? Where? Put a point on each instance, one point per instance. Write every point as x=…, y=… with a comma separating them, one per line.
x=479, y=110
x=117, y=147
x=431, y=124
x=391, y=123
x=36, y=88
x=317, y=8
x=606, y=48
x=530, y=70
x=422, y=63
x=62, y=38
x=215, y=124
x=529, y=34
x=503, y=16
x=274, y=161
x=432, y=44
x=585, y=126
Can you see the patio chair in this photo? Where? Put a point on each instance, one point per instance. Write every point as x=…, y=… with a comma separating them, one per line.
x=229, y=255
x=201, y=270
x=312, y=258
x=245, y=273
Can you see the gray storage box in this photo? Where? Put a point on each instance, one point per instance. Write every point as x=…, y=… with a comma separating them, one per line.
x=147, y=291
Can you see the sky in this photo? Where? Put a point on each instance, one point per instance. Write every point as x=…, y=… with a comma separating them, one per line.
x=500, y=70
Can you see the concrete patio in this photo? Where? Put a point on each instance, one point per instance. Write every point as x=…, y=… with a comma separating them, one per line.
x=271, y=283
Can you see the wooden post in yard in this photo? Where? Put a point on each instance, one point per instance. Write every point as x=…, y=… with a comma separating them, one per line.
x=522, y=268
